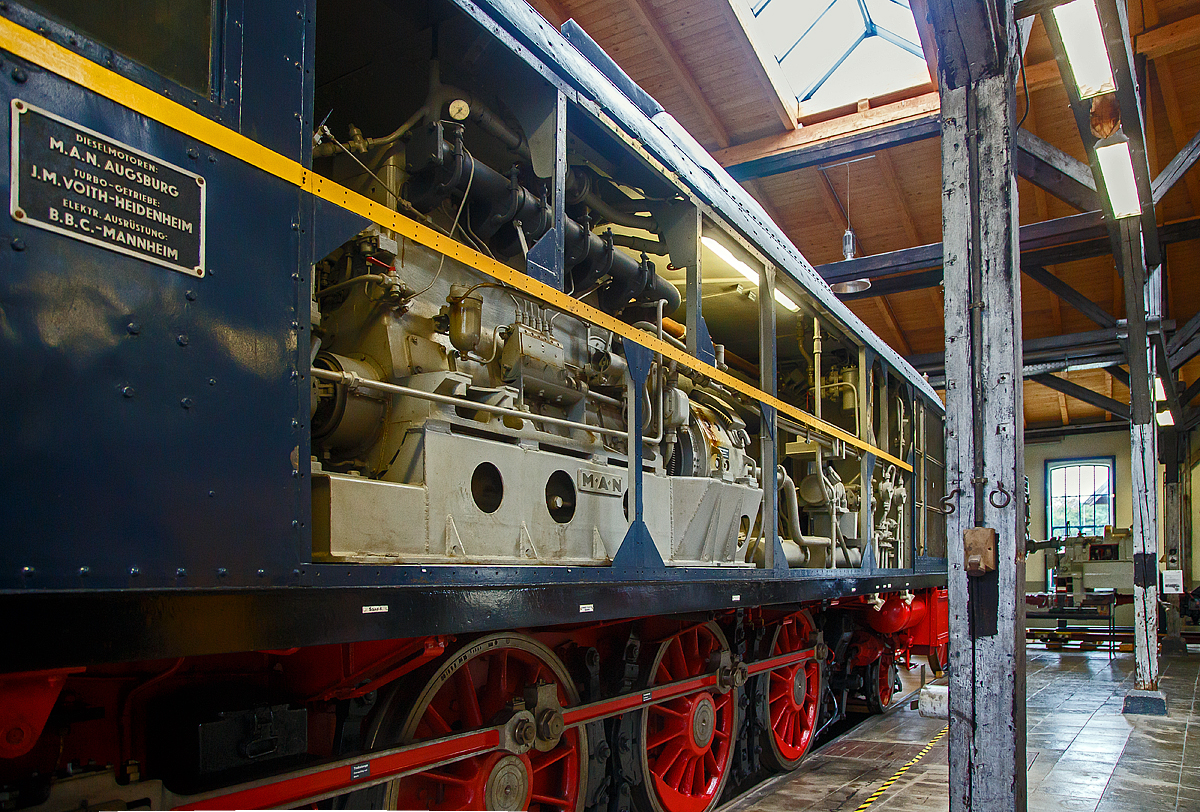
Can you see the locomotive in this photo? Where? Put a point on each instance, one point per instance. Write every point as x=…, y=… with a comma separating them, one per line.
x=404, y=411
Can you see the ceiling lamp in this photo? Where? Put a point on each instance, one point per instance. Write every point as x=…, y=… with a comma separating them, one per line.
x=1083, y=39
x=851, y=286
x=746, y=271
x=1116, y=167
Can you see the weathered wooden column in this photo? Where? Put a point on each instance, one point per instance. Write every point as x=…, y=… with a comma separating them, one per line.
x=1143, y=440
x=977, y=57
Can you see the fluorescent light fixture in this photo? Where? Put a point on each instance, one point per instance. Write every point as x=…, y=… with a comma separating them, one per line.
x=746, y=271
x=1083, y=39
x=1159, y=393
x=1165, y=418
x=1116, y=167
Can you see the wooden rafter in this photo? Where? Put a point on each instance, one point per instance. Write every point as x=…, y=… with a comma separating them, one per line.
x=892, y=182
x=649, y=24
x=1174, y=110
x=826, y=130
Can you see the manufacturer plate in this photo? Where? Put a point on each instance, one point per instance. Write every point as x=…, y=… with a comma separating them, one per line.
x=600, y=482
x=81, y=184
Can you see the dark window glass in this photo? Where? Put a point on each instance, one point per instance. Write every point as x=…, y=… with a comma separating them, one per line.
x=171, y=37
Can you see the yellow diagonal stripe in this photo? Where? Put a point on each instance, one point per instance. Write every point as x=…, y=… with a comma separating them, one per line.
x=53, y=57
x=877, y=794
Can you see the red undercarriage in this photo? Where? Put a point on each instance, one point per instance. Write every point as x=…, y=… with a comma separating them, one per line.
x=464, y=712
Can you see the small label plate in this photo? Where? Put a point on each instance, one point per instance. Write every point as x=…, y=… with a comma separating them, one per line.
x=81, y=184
x=600, y=482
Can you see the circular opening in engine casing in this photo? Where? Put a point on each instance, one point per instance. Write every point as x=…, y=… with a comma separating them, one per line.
x=560, y=497
x=487, y=487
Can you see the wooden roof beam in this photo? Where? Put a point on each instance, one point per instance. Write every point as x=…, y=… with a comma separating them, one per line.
x=1166, y=85
x=1179, y=165
x=824, y=133
x=1068, y=294
x=1060, y=174
x=1082, y=393
x=1065, y=239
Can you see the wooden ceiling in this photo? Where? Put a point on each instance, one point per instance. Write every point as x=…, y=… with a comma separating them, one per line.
x=693, y=56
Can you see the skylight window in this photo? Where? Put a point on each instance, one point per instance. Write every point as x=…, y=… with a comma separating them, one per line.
x=835, y=52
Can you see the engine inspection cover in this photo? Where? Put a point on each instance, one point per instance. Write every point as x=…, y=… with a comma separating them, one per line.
x=76, y=182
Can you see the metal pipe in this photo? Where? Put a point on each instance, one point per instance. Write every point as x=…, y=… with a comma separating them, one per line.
x=817, y=366
x=853, y=388
x=352, y=380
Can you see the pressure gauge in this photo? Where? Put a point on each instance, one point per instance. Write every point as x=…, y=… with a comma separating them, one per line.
x=459, y=109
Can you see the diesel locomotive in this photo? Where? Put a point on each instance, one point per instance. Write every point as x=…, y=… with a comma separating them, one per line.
x=402, y=410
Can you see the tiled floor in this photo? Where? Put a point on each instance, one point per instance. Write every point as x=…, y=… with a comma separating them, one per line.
x=1083, y=754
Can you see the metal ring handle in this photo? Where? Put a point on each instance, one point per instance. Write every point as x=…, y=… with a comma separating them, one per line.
x=948, y=506
x=999, y=490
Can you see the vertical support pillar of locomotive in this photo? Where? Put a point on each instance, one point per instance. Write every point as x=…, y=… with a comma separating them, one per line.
x=866, y=469
x=560, y=186
x=978, y=61
x=768, y=380
x=1142, y=301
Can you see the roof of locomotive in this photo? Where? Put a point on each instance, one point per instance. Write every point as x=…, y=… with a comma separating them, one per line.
x=676, y=149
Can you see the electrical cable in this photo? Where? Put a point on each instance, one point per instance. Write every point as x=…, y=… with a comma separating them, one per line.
x=1024, y=81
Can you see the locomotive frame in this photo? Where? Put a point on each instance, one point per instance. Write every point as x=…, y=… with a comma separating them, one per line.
x=242, y=577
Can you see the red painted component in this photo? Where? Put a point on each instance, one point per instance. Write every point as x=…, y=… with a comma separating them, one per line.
x=324, y=673
x=476, y=693
x=687, y=772
x=896, y=614
x=865, y=649
x=793, y=717
x=344, y=775
x=26, y=700
x=932, y=637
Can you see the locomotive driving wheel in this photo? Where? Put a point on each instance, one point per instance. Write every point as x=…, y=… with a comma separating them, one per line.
x=793, y=697
x=880, y=684
x=685, y=745
x=469, y=690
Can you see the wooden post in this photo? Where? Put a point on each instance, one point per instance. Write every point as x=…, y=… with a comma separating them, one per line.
x=985, y=464
x=1143, y=301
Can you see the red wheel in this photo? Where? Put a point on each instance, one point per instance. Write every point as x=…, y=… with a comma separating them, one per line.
x=687, y=744
x=881, y=682
x=793, y=697
x=466, y=692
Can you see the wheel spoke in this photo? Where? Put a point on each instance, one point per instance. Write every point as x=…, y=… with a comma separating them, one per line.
x=547, y=800
x=661, y=738
x=553, y=757
x=467, y=700
x=437, y=724
x=689, y=776
x=679, y=665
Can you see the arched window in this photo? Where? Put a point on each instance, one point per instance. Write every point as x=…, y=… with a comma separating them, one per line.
x=1079, y=496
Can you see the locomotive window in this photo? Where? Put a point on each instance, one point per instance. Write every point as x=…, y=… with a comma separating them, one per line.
x=171, y=37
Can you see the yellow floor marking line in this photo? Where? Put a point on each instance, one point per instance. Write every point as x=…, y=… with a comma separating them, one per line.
x=75, y=68
x=877, y=794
